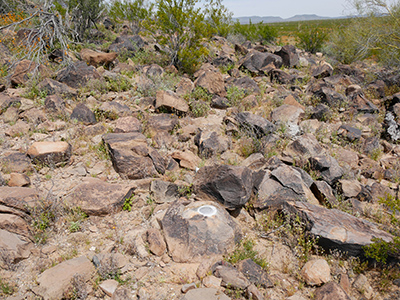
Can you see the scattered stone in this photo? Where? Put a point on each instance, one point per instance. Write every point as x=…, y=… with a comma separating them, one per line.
x=184, y=87
x=323, y=192
x=15, y=162
x=17, y=179
x=53, y=87
x=83, y=114
x=362, y=285
x=323, y=70
x=255, y=61
x=156, y=242
x=254, y=273
x=330, y=291
x=50, y=153
x=198, y=230
x=231, y=277
x=109, y=286
x=212, y=282
x=96, y=197
x=211, y=144
x=205, y=293
x=164, y=191
x=128, y=43
x=212, y=82
x=316, y=272
x=127, y=124
x=130, y=155
x=187, y=287
x=328, y=167
x=112, y=110
x=17, y=249
x=253, y=124
x=54, y=104
x=231, y=186
x=171, y=102
x=77, y=75
x=96, y=59
x=186, y=159
x=281, y=77
x=21, y=198
x=122, y=293
x=253, y=293
x=289, y=56
x=23, y=69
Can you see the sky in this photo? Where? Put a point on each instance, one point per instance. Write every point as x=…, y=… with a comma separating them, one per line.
x=286, y=8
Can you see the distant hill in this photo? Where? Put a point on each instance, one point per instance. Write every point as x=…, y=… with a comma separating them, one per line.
x=271, y=19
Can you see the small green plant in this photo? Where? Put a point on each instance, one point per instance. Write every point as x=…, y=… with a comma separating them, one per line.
x=185, y=190
x=244, y=250
x=235, y=95
x=6, y=289
x=74, y=226
x=199, y=108
x=128, y=203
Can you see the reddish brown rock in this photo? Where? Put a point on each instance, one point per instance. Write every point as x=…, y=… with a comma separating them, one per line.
x=167, y=100
x=156, y=242
x=96, y=197
x=23, y=68
x=20, y=180
x=331, y=291
x=51, y=153
x=94, y=58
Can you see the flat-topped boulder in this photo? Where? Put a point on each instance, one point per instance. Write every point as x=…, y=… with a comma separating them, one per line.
x=21, y=198
x=171, y=102
x=15, y=246
x=199, y=230
x=96, y=197
x=97, y=58
x=337, y=229
x=51, y=153
x=15, y=162
x=131, y=157
x=63, y=273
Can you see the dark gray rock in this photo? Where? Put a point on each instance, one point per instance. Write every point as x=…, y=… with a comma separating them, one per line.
x=130, y=155
x=328, y=167
x=219, y=102
x=231, y=186
x=54, y=104
x=331, y=290
x=320, y=112
x=281, y=76
x=210, y=144
x=205, y=293
x=350, y=133
x=162, y=122
x=326, y=92
x=322, y=71
x=372, y=146
x=83, y=114
x=7, y=101
x=164, y=191
x=324, y=193
x=15, y=162
x=303, y=147
x=289, y=56
x=77, y=74
x=254, y=61
x=245, y=83
x=337, y=229
x=54, y=87
x=131, y=44
x=254, y=124
x=254, y=273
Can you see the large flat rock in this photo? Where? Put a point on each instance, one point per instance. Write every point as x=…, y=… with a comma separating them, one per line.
x=21, y=198
x=55, y=281
x=96, y=197
x=337, y=229
x=14, y=246
x=199, y=230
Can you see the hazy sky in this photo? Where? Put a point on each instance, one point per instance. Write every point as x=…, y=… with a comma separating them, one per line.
x=286, y=8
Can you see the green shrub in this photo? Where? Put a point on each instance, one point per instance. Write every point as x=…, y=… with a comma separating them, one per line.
x=312, y=38
x=244, y=250
x=259, y=32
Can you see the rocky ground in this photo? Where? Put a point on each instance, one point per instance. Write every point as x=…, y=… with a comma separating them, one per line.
x=263, y=176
